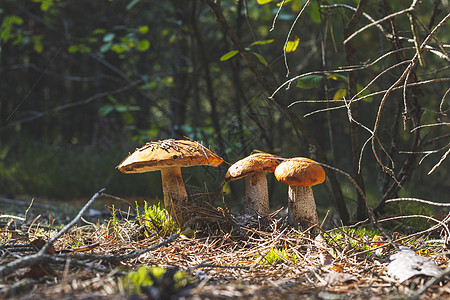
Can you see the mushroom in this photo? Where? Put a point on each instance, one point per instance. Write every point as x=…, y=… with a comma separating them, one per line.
x=169, y=156
x=301, y=174
x=252, y=168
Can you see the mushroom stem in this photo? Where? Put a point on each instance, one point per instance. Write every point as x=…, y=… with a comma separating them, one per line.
x=256, y=194
x=175, y=195
x=302, y=207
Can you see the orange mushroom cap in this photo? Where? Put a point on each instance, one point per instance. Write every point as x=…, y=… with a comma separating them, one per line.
x=168, y=153
x=258, y=162
x=300, y=171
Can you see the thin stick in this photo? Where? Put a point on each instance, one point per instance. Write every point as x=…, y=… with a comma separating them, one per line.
x=418, y=200
x=28, y=209
x=118, y=258
x=439, y=162
x=71, y=224
x=289, y=34
x=431, y=282
x=409, y=9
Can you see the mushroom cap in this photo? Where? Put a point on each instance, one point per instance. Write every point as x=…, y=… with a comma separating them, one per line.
x=168, y=153
x=258, y=162
x=300, y=171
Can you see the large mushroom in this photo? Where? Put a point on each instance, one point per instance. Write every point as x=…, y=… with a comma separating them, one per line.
x=301, y=174
x=253, y=168
x=169, y=156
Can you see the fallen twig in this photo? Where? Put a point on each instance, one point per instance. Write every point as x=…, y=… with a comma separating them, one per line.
x=430, y=283
x=41, y=256
x=71, y=224
x=117, y=258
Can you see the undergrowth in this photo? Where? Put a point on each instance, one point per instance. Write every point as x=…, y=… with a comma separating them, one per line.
x=156, y=218
x=156, y=281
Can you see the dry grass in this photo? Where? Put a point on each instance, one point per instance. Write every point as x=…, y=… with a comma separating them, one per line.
x=229, y=256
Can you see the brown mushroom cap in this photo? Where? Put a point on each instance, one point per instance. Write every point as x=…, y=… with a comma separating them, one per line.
x=300, y=171
x=168, y=153
x=258, y=162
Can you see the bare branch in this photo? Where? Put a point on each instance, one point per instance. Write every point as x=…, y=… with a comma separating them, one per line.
x=441, y=105
x=276, y=15
x=439, y=162
x=71, y=223
x=429, y=125
x=411, y=8
x=289, y=35
x=418, y=200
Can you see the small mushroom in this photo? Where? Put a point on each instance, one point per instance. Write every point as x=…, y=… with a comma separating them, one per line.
x=301, y=174
x=169, y=156
x=252, y=168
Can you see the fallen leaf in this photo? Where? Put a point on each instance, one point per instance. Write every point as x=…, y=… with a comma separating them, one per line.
x=406, y=264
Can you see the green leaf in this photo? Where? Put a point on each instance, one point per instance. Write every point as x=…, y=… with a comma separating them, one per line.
x=149, y=86
x=99, y=31
x=314, y=12
x=340, y=94
x=262, y=2
x=365, y=93
x=119, y=48
x=132, y=3
x=265, y=42
x=261, y=59
x=109, y=37
x=335, y=76
x=127, y=118
x=143, y=29
x=134, y=108
x=112, y=99
x=105, y=47
x=229, y=55
x=37, y=43
x=73, y=49
x=121, y=108
x=46, y=4
x=12, y=20
x=309, y=82
x=105, y=110
x=143, y=45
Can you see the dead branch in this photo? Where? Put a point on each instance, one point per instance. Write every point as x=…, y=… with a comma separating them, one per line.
x=41, y=256
x=430, y=283
x=123, y=257
x=71, y=223
x=289, y=34
x=418, y=200
x=407, y=10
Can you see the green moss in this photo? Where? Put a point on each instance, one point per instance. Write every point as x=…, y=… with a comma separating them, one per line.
x=276, y=256
x=156, y=219
x=147, y=276
x=354, y=237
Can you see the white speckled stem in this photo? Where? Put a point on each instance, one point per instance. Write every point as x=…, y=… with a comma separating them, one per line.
x=256, y=194
x=302, y=207
x=175, y=195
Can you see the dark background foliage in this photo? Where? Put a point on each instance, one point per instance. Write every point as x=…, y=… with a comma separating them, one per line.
x=82, y=83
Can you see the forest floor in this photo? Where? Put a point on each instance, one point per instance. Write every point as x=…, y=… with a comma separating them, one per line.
x=223, y=256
